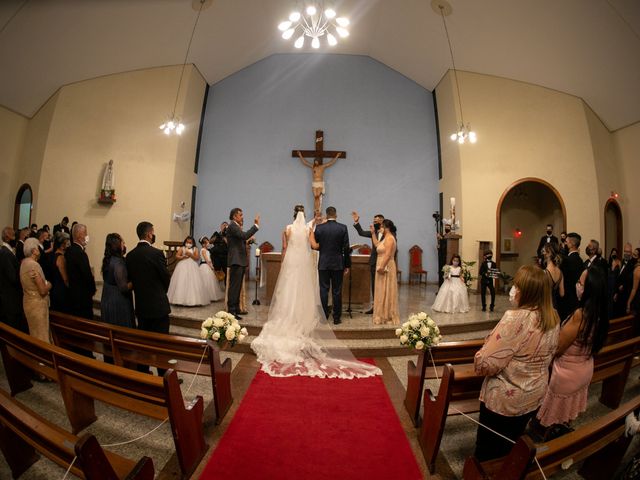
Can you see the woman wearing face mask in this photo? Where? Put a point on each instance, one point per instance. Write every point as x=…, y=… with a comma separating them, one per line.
x=452, y=296
x=35, y=287
x=385, y=305
x=186, y=286
x=515, y=359
x=633, y=304
x=116, y=304
x=582, y=335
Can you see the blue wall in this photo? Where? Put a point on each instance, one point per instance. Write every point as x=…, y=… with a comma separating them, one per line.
x=384, y=121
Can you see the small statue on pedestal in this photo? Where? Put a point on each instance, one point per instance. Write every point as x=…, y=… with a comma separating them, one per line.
x=108, y=191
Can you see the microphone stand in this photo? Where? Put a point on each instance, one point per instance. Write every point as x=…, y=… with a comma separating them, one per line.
x=258, y=273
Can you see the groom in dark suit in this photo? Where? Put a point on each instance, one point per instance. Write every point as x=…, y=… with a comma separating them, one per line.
x=237, y=260
x=332, y=240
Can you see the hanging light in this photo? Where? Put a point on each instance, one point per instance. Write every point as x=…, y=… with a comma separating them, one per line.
x=463, y=132
x=315, y=21
x=174, y=124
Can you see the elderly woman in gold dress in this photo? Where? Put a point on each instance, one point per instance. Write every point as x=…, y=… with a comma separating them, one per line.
x=385, y=303
x=36, y=291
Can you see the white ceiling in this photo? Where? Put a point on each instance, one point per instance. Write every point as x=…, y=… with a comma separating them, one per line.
x=588, y=48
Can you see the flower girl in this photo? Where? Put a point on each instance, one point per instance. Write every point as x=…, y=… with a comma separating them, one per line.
x=186, y=286
x=208, y=273
x=452, y=296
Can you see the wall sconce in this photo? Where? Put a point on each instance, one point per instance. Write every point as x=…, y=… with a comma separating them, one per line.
x=614, y=194
x=518, y=233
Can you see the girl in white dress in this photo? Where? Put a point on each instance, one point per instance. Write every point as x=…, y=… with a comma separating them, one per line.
x=452, y=296
x=208, y=273
x=296, y=337
x=186, y=286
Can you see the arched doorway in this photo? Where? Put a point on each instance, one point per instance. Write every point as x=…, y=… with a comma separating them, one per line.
x=612, y=227
x=524, y=209
x=23, y=207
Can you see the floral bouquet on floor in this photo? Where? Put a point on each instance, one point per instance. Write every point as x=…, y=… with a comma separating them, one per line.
x=223, y=327
x=419, y=332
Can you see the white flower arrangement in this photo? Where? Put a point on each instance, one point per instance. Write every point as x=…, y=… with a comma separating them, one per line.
x=446, y=270
x=419, y=332
x=223, y=327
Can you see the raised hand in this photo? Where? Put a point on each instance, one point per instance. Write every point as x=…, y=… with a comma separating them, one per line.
x=356, y=217
x=257, y=220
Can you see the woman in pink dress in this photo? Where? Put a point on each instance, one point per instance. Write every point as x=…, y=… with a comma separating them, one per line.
x=582, y=335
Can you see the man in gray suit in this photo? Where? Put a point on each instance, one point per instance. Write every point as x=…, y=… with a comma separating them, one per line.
x=377, y=224
x=237, y=257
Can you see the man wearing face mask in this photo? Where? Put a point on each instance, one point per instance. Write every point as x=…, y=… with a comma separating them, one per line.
x=564, y=249
x=82, y=286
x=11, y=311
x=487, y=269
x=548, y=238
x=377, y=223
x=571, y=268
x=595, y=257
x=624, y=282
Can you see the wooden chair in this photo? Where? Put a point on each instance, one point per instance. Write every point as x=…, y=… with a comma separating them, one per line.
x=265, y=247
x=24, y=435
x=364, y=250
x=83, y=380
x=415, y=265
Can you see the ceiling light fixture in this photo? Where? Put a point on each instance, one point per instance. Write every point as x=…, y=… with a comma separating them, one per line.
x=316, y=20
x=174, y=124
x=463, y=132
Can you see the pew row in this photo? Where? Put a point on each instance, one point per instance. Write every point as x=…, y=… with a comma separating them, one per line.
x=460, y=388
x=129, y=347
x=83, y=380
x=24, y=433
x=463, y=352
x=601, y=444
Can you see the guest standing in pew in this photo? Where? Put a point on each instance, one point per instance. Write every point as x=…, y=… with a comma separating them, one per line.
x=385, y=304
x=147, y=269
x=515, y=359
x=57, y=266
x=572, y=267
x=552, y=261
x=116, y=304
x=633, y=304
x=582, y=335
x=36, y=288
x=82, y=286
x=11, y=311
x=624, y=282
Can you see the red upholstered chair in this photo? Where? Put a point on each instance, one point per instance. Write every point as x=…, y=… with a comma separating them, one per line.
x=364, y=250
x=415, y=265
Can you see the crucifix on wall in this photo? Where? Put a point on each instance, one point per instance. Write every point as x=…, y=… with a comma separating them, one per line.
x=318, y=167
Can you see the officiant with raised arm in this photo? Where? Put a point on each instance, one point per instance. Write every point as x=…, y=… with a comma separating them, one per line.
x=378, y=233
x=237, y=256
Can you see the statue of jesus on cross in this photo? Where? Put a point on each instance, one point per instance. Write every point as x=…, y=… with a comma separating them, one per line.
x=317, y=167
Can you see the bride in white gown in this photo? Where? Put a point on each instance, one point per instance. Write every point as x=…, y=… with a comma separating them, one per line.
x=296, y=339
x=452, y=296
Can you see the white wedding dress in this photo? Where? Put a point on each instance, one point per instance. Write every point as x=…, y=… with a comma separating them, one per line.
x=296, y=339
x=452, y=296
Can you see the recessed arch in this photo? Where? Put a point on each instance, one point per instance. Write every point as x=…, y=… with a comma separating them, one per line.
x=613, y=227
x=23, y=207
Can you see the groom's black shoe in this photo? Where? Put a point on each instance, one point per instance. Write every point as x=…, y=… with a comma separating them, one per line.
x=337, y=321
x=238, y=317
x=369, y=312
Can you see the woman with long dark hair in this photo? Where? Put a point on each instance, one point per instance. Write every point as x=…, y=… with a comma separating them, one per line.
x=116, y=304
x=552, y=259
x=385, y=305
x=582, y=336
x=57, y=268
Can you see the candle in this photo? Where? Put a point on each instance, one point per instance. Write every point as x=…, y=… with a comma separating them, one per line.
x=257, y=252
x=453, y=203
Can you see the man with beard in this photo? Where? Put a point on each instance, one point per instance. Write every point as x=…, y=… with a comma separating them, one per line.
x=624, y=282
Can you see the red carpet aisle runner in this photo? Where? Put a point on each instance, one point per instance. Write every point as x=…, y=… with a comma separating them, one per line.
x=309, y=428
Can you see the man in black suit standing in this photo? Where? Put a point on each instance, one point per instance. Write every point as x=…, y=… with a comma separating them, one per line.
x=548, y=238
x=572, y=268
x=624, y=282
x=237, y=256
x=82, y=286
x=487, y=280
x=62, y=226
x=11, y=311
x=377, y=224
x=332, y=240
x=23, y=234
x=595, y=259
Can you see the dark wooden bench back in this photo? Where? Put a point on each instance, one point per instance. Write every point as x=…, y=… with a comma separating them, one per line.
x=83, y=380
x=130, y=347
x=601, y=444
x=24, y=433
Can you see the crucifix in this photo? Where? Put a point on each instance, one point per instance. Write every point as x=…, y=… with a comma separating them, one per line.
x=318, y=167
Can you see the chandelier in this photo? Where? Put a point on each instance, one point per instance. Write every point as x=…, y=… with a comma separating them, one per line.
x=463, y=131
x=314, y=21
x=174, y=124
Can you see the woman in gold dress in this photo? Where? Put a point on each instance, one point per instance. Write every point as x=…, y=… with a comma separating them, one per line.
x=385, y=306
x=36, y=291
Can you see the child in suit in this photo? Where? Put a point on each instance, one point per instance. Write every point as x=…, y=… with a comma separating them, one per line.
x=486, y=280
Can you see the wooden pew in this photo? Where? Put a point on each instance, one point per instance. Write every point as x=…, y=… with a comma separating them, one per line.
x=601, y=444
x=24, y=433
x=83, y=380
x=463, y=352
x=460, y=388
x=129, y=347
